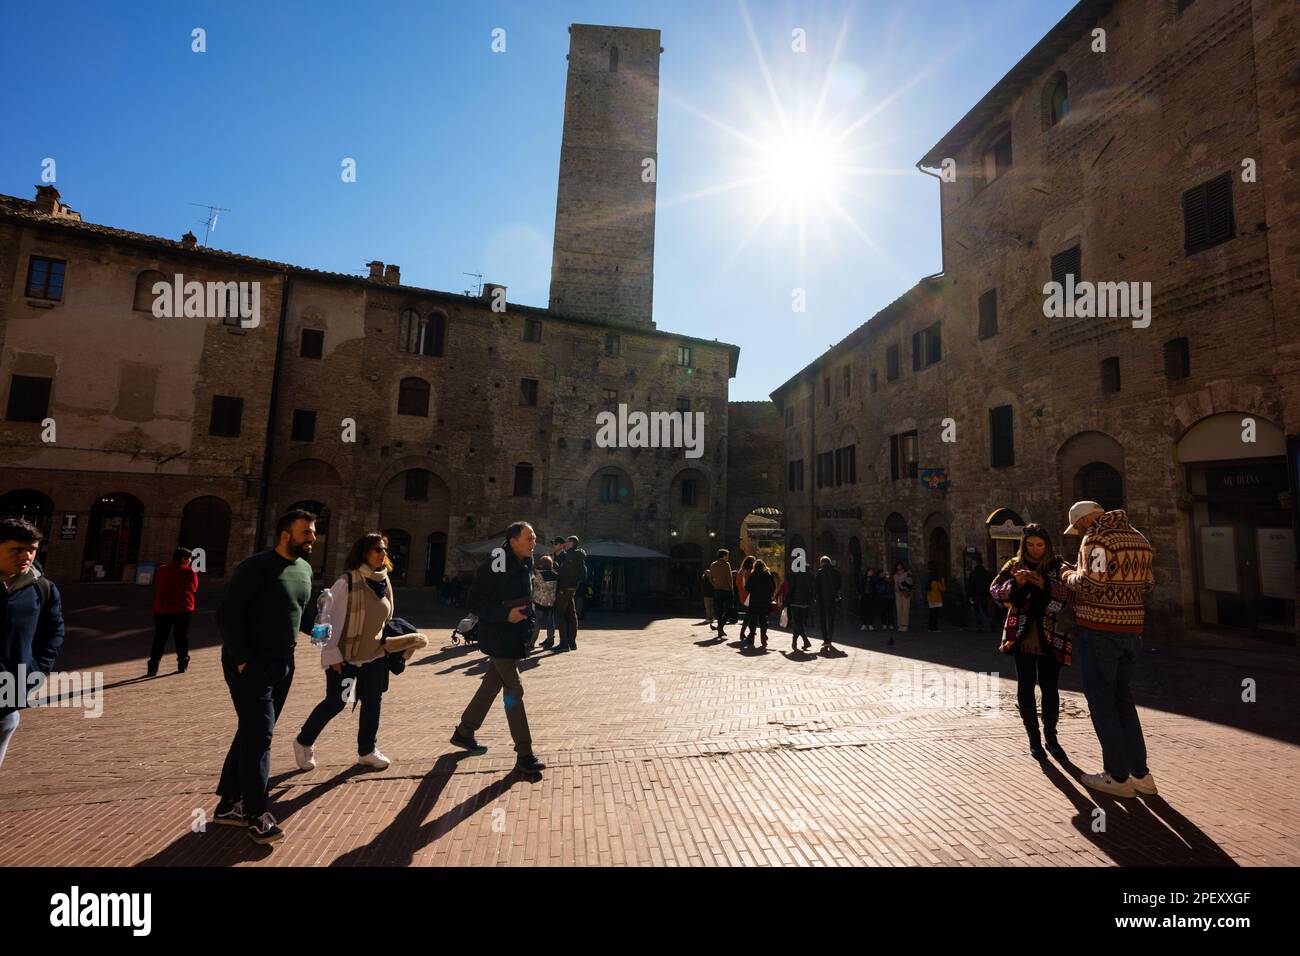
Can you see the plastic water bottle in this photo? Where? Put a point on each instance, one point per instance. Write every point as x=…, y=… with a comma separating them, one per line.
x=321, y=630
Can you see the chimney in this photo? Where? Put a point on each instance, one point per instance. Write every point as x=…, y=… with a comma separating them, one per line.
x=189, y=240
x=489, y=290
x=376, y=270
x=47, y=200
x=393, y=274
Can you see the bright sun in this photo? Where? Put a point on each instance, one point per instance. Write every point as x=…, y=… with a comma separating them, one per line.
x=799, y=169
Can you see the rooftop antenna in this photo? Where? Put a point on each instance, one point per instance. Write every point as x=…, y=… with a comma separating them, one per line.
x=477, y=293
x=210, y=224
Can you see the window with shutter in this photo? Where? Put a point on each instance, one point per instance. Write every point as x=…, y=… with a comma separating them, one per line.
x=892, y=363
x=1207, y=214
x=893, y=457
x=988, y=314
x=1069, y=262
x=918, y=349
x=1003, y=451
x=1178, y=364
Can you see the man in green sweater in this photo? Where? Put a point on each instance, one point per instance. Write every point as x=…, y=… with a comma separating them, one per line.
x=258, y=620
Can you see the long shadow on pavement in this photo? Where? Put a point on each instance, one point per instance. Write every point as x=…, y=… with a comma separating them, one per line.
x=397, y=843
x=1136, y=832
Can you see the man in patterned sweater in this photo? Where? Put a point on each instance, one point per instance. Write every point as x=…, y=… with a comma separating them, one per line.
x=1112, y=574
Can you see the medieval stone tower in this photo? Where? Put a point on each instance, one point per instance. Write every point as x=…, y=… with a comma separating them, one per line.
x=602, y=266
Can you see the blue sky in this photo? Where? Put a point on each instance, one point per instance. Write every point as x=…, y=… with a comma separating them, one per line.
x=457, y=147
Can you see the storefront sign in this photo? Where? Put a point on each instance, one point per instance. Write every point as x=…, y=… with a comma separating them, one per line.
x=144, y=572
x=1219, y=560
x=854, y=513
x=69, y=529
x=936, y=479
x=1276, y=562
x=1265, y=479
x=1006, y=531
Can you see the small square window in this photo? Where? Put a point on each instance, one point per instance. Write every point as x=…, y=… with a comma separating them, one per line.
x=988, y=313
x=417, y=485
x=532, y=330
x=1110, y=375
x=29, y=399
x=313, y=343
x=684, y=356
x=1178, y=360
x=613, y=344
x=683, y=404
x=227, y=414
x=523, y=480
x=45, y=278
x=892, y=362
x=610, y=399
x=528, y=390
x=304, y=425
x=688, y=492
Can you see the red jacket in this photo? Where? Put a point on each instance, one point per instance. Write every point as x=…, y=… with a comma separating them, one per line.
x=173, y=589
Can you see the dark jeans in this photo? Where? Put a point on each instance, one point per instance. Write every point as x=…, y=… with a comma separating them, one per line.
x=1107, y=661
x=798, y=622
x=259, y=694
x=545, y=618
x=368, y=685
x=1043, y=670
x=722, y=607
x=933, y=623
x=8, y=724
x=827, y=618
x=502, y=675
x=885, y=605
x=867, y=607
x=756, y=620
x=163, y=625
x=566, y=617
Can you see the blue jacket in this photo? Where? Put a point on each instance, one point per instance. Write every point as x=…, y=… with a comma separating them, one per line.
x=30, y=634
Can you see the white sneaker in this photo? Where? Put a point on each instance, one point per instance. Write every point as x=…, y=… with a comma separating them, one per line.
x=306, y=756
x=863, y=627
x=871, y=627
x=375, y=759
x=1108, y=784
x=1145, y=784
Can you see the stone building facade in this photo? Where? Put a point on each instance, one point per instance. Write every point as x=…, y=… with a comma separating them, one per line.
x=438, y=418
x=961, y=411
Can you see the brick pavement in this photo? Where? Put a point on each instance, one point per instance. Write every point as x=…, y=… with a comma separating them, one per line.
x=666, y=747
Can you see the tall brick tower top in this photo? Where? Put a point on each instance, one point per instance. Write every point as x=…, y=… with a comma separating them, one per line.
x=602, y=266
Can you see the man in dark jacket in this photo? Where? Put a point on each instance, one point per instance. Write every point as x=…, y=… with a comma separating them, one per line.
x=258, y=620
x=31, y=622
x=572, y=576
x=502, y=597
x=797, y=600
x=828, y=598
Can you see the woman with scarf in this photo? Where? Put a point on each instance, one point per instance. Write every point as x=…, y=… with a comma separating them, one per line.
x=1029, y=586
x=361, y=604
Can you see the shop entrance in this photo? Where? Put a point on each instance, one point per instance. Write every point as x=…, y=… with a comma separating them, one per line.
x=1245, y=547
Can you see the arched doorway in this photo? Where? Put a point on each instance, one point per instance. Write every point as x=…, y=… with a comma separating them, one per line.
x=1099, y=482
x=416, y=500
x=435, y=558
x=896, y=542
x=399, y=552
x=940, y=553
x=205, y=523
x=318, y=551
x=762, y=534
x=1005, y=529
x=1237, y=495
x=113, y=537
x=33, y=506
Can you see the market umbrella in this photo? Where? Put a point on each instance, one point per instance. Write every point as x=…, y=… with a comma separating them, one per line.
x=608, y=548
